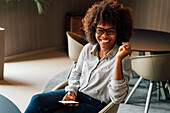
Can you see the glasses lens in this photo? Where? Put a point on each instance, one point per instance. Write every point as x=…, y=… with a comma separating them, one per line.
x=99, y=31
x=110, y=31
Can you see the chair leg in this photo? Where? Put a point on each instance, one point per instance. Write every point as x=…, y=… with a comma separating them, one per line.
x=158, y=90
x=163, y=90
x=168, y=86
x=148, y=98
x=133, y=90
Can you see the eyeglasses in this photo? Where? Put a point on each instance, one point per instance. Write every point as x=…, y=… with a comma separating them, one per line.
x=101, y=31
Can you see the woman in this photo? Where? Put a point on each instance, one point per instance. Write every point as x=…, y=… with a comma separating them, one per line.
x=103, y=68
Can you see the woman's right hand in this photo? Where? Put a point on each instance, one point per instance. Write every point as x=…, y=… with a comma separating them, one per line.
x=124, y=50
x=70, y=96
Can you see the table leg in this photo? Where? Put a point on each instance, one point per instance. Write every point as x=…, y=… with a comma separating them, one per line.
x=2, y=32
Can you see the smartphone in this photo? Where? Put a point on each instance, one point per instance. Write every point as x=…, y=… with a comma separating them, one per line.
x=68, y=102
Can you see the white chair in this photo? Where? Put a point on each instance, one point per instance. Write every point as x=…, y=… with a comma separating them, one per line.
x=154, y=68
x=75, y=44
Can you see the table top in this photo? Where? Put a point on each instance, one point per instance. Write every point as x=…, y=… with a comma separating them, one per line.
x=147, y=40
x=7, y=106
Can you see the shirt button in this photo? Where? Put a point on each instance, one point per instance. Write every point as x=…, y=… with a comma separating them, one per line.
x=97, y=91
x=83, y=74
x=108, y=67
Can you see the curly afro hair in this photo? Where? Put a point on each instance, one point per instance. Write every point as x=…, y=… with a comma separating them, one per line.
x=112, y=13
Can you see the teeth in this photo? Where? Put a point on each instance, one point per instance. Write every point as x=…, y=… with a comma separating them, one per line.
x=105, y=40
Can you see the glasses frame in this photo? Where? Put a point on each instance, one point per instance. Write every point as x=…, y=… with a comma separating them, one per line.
x=105, y=30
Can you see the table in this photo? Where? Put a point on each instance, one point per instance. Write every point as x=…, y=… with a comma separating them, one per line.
x=150, y=41
x=7, y=106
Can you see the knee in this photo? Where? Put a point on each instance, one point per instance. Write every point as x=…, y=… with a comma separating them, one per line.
x=36, y=99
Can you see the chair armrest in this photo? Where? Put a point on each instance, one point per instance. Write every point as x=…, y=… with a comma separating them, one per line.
x=60, y=86
x=110, y=108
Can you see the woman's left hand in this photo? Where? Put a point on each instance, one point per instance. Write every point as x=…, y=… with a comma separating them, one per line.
x=124, y=50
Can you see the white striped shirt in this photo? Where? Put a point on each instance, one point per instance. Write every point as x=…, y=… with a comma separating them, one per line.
x=93, y=76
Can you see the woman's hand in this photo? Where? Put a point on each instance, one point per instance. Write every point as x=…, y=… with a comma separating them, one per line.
x=70, y=96
x=124, y=50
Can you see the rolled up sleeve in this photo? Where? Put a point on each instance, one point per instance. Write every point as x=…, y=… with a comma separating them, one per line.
x=118, y=91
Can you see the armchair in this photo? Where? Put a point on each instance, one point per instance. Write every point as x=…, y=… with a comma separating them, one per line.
x=75, y=44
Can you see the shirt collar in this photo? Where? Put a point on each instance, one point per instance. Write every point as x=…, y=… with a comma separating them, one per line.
x=109, y=55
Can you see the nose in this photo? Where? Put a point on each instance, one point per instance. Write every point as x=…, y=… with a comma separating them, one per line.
x=105, y=35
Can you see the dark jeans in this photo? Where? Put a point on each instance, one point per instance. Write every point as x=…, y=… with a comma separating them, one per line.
x=48, y=103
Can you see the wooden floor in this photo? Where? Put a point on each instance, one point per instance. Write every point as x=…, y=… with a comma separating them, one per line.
x=28, y=76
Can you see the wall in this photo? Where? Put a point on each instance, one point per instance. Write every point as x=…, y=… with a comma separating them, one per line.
x=151, y=14
x=27, y=31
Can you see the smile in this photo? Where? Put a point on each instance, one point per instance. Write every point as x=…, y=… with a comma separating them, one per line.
x=105, y=41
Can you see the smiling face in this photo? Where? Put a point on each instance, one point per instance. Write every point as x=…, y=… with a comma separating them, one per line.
x=105, y=36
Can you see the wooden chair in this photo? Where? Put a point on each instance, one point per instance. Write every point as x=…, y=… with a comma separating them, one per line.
x=75, y=44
